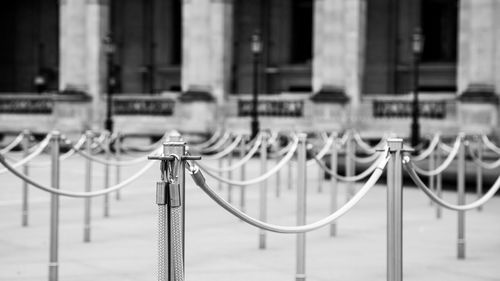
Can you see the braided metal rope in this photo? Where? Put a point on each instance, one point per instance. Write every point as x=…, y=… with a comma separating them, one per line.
x=480, y=163
x=42, y=145
x=445, y=163
x=53, y=190
x=410, y=168
x=13, y=144
x=200, y=181
x=427, y=152
x=230, y=148
x=490, y=145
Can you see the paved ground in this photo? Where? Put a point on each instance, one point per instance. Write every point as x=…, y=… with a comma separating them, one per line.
x=220, y=247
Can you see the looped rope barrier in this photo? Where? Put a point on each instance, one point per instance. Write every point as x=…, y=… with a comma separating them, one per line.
x=482, y=164
x=324, y=150
x=243, y=160
x=135, y=161
x=445, y=163
x=260, y=178
x=200, y=182
x=446, y=148
x=149, y=148
x=490, y=145
x=53, y=190
x=219, y=144
x=209, y=142
x=66, y=155
x=410, y=168
x=361, y=176
x=344, y=139
x=230, y=148
x=363, y=160
x=40, y=147
x=282, y=151
x=365, y=146
x=427, y=152
x=13, y=144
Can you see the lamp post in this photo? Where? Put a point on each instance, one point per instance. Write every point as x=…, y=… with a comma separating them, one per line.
x=417, y=47
x=256, y=46
x=110, y=81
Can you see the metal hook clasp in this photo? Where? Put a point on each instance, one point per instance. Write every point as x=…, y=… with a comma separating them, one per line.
x=173, y=168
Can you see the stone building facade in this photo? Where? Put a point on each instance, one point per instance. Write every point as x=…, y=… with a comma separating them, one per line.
x=188, y=64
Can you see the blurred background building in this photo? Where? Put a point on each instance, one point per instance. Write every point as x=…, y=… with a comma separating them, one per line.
x=189, y=64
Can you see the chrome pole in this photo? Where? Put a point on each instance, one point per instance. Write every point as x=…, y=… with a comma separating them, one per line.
x=278, y=180
x=349, y=165
x=106, y=173
x=230, y=176
x=439, y=185
x=320, y=178
x=461, y=201
x=394, y=212
x=25, y=205
x=300, y=274
x=88, y=188
x=176, y=210
x=219, y=164
x=432, y=166
x=243, y=173
x=290, y=175
x=54, y=210
x=263, y=192
x=479, y=173
x=118, y=155
x=334, y=188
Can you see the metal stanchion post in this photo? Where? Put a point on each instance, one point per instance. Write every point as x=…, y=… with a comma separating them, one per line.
x=290, y=175
x=278, y=180
x=230, y=176
x=479, y=173
x=54, y=210
x=118, y=154
x=439, y=185
x=320, y=179
x=349, y=165
x=263, y=192
x=461, y=201
x=243, y=173
x=25, y=207
x=219, y=165
x=88, y=188
x=300, y=274
x=432, y=166
x=394, y=212
x=170, y=195
x=334, y=188
x=106, y=173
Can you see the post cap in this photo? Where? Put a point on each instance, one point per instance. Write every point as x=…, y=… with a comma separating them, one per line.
x=395, y=144
x=302, y=137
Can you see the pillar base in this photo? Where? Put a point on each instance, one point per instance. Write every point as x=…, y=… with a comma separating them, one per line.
x=196, y=96
x=330, y=94
x=479, y=93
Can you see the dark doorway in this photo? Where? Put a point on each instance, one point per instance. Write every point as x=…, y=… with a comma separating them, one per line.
x=29, y=53
x=148, y=34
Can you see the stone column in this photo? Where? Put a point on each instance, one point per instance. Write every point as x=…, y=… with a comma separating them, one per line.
x=72, y=42
x=477, y=65
x=206, y=65
x=477, y=47
x=83, y=25
x=339, y=42
x=97, y=28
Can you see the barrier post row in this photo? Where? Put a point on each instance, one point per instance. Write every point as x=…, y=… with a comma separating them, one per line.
x=118, y=155
x=300, y=274
x=243, y=173
x=25, y=204
x=107, y=151
x=230, y=177
x=439, y=185
x=461, y=201
x=432, y=166
x=394, y=212
x=334, y=188
x=479, y=173
x=349, y=164
x=170, y=194
x=54, y=210
x=263, y=191
x=88, y=188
